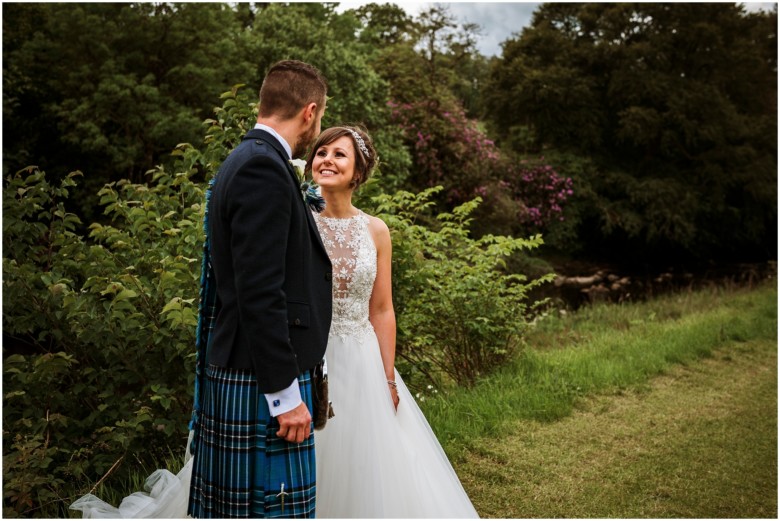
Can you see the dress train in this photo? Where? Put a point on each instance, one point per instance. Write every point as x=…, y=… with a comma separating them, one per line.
x=165, y=497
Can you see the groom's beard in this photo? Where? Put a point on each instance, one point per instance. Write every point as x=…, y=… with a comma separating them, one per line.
x=305, y=139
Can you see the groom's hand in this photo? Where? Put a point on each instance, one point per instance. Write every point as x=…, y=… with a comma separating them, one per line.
x=295, y=425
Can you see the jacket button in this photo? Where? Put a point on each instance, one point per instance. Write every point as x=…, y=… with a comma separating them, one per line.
x=297, y=321
x=329, y=276
x=258, y=142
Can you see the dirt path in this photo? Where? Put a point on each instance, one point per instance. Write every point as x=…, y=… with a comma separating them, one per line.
x=700, y=441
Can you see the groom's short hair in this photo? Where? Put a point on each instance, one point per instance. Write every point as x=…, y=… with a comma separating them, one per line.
x=289, y=86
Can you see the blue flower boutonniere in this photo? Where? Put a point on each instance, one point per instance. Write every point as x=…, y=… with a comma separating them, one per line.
x=309, y=189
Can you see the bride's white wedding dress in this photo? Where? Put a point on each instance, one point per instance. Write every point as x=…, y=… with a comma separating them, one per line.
x=372, y=462
x=166, y=497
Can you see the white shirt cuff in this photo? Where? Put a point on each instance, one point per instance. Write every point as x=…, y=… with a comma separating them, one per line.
x=285, y=400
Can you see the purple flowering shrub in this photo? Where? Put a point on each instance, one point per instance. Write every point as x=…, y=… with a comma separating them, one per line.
x=539, y=191
x=450, y=150
x=447, y=147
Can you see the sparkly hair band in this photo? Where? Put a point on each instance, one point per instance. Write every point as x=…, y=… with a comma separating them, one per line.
x=360, y=142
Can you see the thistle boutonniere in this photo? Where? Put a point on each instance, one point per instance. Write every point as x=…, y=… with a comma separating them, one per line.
x=309, y=189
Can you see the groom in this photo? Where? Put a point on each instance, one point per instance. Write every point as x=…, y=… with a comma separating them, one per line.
x=254, y=449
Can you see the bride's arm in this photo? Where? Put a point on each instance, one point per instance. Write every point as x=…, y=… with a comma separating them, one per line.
x=380, y=308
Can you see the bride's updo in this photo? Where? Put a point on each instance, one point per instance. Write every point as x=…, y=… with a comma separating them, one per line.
x=365, y=153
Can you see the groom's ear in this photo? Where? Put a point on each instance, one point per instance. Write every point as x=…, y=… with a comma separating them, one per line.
x=309, y=112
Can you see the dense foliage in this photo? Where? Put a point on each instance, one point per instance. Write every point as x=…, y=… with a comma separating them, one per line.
x=667, y=114
x=450, y=150
x=459, y=316
x=663, y=115
x=111, y=316
x=117, y=86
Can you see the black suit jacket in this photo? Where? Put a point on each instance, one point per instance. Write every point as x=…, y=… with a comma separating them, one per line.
x=272, y=273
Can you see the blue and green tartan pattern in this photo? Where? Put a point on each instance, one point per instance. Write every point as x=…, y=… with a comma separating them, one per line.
x=240, y=464
x=207, y=314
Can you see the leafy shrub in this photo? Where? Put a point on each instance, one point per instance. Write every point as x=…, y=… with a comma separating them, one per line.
x=108, y=318
x=103, y=327
x=452, y=151
x=540, y=192
x=458, y=315
x=448, y=148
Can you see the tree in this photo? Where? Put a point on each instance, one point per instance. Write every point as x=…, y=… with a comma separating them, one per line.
x=116, y=86
x=315, y=33
x=383, y=25
x=675, y=104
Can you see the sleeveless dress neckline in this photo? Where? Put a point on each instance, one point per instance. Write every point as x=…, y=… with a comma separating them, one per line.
x=325, y=217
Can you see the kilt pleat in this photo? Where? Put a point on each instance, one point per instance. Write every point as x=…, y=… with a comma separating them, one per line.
x=241, y=468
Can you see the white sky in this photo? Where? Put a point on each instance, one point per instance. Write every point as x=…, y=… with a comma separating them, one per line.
x=498, y=20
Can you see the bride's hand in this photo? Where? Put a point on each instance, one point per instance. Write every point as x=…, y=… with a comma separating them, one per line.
x=393, y=393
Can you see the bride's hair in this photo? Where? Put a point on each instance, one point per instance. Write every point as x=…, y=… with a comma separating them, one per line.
x=365, y=153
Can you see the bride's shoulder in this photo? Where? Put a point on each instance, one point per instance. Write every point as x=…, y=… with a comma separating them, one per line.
x=378, y=228
x=375, y=224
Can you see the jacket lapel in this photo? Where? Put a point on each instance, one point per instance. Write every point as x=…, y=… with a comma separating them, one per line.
x=271, y=140
x=313, y=226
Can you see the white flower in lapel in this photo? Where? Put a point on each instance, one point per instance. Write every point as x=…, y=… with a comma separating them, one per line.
x=299, y=165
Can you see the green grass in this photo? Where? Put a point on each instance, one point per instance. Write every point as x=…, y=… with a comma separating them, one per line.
x=602, y=349
x=661, y=409
x=698, y=442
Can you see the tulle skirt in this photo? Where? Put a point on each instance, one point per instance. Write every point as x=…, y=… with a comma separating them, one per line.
x=374, y=462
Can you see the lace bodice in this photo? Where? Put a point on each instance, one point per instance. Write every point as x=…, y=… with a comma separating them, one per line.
x=353, y=256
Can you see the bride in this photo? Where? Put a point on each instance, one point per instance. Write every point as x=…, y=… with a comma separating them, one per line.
x=378, y=457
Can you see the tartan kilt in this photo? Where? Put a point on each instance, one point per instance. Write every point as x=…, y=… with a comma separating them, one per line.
x=240, y=465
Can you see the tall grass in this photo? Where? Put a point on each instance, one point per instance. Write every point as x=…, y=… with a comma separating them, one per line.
x=604, y=348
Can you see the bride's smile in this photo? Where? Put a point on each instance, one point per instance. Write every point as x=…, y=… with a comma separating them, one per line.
x=333, y=166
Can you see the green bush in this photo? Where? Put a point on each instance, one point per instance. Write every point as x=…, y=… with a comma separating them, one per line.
x=459, y=316
x=99, y=321
x=102, y=326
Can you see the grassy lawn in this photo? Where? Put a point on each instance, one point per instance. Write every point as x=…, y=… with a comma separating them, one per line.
x=661, y=409
x=700, y=441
